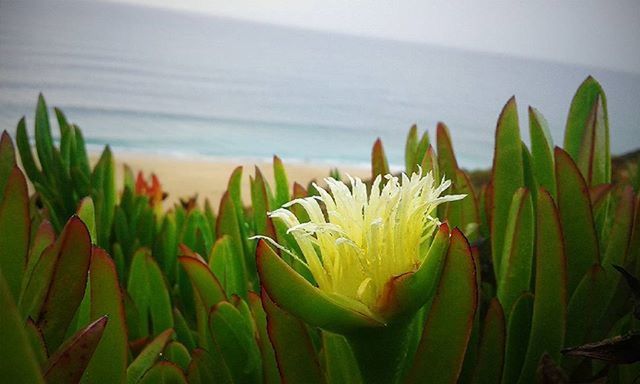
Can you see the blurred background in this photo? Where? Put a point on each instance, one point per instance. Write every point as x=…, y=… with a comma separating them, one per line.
x=313, y=81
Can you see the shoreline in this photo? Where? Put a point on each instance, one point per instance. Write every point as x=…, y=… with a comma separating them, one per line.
x=183, y=177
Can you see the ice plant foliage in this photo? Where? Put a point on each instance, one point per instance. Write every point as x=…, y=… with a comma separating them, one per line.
x=183, y=295
x=365, y=239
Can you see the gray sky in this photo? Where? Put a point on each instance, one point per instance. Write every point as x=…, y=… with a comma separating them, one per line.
x=596, y=33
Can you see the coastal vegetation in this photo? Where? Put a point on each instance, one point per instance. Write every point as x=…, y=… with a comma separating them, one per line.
x=529, y=274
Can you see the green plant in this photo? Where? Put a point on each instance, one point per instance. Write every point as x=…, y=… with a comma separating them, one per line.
x=97, y=286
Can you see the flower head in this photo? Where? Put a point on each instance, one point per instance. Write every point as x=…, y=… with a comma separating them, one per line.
x=362, y=240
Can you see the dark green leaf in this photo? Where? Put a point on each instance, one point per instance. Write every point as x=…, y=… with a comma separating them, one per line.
x=294, y=352
x=204, y=369
x=517, y=257
x=379, y=164
x=18, y=362
x=341, y=365
x=68, y=283
x=203, y=280
x=587, y=133
x=69, y=362
x=550, y=304
x=16, y=228
x=269, y=365
x=444, y=341
x=146, y=359
x=234, y=336
x=518, y=329
x=579, y=231
x=507, y=176
x=446, y=156
x=164, y=372
x=109, y=361
x=542, y=151
x=492, y=346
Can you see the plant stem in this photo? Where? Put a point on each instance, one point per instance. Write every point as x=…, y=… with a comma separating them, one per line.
x=380, y=352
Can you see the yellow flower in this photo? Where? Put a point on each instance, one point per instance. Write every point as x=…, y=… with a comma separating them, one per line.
x=366, y=239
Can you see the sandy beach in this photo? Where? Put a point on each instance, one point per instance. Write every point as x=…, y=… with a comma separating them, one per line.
x=208, y=177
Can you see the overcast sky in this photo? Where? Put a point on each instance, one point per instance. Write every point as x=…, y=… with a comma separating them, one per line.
x=596, y=33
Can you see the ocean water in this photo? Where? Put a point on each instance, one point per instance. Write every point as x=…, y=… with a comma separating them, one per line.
x=181, y=84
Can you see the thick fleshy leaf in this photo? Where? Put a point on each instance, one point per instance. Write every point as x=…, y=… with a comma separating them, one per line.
x=227, y=267
x=507, y=176
x=530, y=181
x=281, y=183
x=210, y=215
x=227, y=224
x=446, y=156
x=44, y=140
x=517, y=342
x=178, y=354
x=517, y=257
x=380, y=351
x=68, y=363
x=104, y=195
x=473, y=345
x=14, y=243
x=430, y=163
x=587, y=133
x=421, y=150
x=269, y=364
x=599, y=195
x=576, y=216
x=235, y=193
x=550, y=305
x=309, y=303
x=297, y=361
x=26, y=154
x=340, y=363
x=542, y=151
x=68, y=283
x=149, y=355
x=79, y=162
x=166, y=248
x=164, y=372
x=492, y=346
x=149, y=292
x=445, y=336
x=469, y=215
x=7, y=159
x=586, y=305
x=36, y=288
x=44, y=237
x=410, y=149
x=37, y=342
x=260, y=204
x=67, y=138
x=203, y=280
x=18, y=363
x=379, y=163
x=616, y=253
x=183, y=332
x=405, y=294
x=203, y=369
x=109, y=361
x=233, y=334
x=463, y=213
x=86, y=212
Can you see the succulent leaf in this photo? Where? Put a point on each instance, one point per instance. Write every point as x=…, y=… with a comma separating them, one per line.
x=446, y=333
